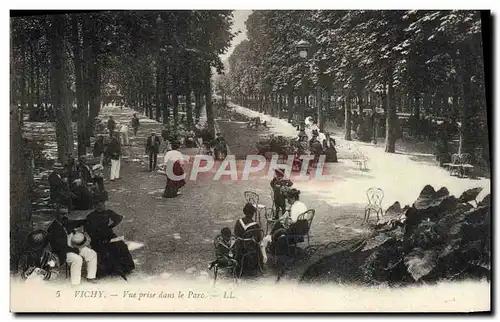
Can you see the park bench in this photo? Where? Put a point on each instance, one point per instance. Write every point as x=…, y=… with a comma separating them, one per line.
x=360, y=160
x=460, y=164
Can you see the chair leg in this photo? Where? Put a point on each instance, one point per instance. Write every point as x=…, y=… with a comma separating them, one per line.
x=216, y=269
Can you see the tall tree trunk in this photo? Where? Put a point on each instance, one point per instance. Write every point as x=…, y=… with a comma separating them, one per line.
x=197, y=104
x=347, y=121
x=319, y=106
x=82, y=115
x=31, y=91
x=469, y=109
x=20, y=214
x=175, y=108
x=208, y=99
x=165, y=105
x=38, y=85
x=23, y=85
x=59, y=89
x=391, y=118
x=159, y=88
x=189, y=109
x=416, y=106
x=95, y=102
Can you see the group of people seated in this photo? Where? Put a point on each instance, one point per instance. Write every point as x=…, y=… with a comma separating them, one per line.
x=255, y=123
x=77, y=185
x=318, y=144
x=90, y=242
x=248, y=236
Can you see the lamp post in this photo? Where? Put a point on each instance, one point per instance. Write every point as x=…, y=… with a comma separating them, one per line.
x=303, y=47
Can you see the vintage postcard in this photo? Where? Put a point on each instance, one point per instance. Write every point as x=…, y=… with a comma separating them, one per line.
x=250, y=161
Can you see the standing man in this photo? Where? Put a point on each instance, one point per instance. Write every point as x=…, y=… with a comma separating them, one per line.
x=124, y=134
x=114, y=151
x=135, y=124
x=111, y=126
x=153, y=148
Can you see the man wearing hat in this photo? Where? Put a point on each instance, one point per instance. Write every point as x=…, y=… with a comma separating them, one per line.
x=153, y=148
x=114, y=150
x=38, y=260
x=111, y=126
x=73, y=248
x=280, y=186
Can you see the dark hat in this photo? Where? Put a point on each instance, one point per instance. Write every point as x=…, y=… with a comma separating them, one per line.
x=293, y=193
x=226, y=232
x=249, y=209
x=279, y=172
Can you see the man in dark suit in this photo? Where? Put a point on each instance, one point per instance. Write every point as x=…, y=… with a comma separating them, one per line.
x=153, y=148
x=59, y=239
x=111, y=126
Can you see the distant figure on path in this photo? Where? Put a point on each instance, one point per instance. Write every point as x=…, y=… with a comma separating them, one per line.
x=135, y=124
x=153, y=148
x=124, y=134
x=114, y=150
x=111, y=126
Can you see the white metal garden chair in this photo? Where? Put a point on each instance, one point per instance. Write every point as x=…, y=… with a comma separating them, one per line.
x=375, y=197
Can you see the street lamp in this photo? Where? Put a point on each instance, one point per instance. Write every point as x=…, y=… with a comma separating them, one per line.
x=303, y=47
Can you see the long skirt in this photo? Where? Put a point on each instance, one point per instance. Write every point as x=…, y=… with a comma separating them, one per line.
x=113, y=259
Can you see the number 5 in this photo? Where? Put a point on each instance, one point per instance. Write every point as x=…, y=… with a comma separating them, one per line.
x=58, y=293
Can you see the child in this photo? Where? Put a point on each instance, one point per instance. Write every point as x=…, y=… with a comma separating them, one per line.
x=224, y=250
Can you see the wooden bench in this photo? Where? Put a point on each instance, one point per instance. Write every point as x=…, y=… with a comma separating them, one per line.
x=460, y=164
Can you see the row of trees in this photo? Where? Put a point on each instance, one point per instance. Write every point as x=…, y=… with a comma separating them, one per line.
x=63, y=65
x=153, y=57
x=416, y=61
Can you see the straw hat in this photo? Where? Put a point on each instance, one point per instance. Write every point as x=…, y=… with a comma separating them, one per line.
x=79, y=240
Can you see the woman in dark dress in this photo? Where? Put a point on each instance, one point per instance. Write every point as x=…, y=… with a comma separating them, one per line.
x=173, y=185
x=113, y=255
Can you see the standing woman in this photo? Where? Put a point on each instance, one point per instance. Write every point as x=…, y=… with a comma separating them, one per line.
x=174, y=162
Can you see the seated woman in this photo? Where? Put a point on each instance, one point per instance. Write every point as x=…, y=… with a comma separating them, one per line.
x=249, y=236
x=288, y=223
x=114, y=257
x=329, y=147
x=189, y=140
x=38, y=261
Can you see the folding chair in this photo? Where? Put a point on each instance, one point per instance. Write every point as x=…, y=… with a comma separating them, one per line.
x=375, y=197
x=253, y=198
